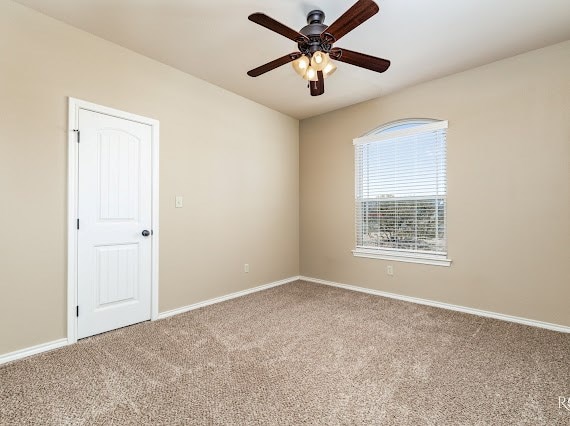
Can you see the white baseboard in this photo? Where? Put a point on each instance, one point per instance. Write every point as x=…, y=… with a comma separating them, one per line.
x=197, y=305
x=44, y=347
x=23, y=353
x=473, y=311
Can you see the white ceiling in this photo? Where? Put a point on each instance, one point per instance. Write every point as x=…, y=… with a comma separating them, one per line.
x=214, y=40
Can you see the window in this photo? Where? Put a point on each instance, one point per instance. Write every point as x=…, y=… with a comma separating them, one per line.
x=401, y=192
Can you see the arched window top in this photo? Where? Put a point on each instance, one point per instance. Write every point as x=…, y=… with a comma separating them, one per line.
x=400, y=125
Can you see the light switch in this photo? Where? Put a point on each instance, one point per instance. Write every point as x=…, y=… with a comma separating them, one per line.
x=179, y=202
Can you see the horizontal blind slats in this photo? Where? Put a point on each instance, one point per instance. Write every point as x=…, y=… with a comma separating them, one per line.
x=401, y=190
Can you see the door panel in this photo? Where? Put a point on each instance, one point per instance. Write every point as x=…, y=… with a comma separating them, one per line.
x=119, y=178
x=116, y=270
x=114, y=258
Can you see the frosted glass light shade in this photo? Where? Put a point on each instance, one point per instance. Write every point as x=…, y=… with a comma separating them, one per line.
x=329, y=69
x=319, y=60
x=311, y=74
x=300, y=65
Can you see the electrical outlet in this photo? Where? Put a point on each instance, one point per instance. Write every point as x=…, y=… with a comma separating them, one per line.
x=246, y=268
x=179, y=202
x=390, y=270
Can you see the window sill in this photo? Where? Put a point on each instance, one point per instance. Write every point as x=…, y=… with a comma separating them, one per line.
x=401, y=256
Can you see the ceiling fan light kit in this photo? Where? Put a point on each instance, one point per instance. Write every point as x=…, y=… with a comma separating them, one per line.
x=319, y=62
x=313, y=61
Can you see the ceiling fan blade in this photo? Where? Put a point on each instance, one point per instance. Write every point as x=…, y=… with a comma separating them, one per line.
x=362, y=60
x=256, y=72
x=360, y=12
x=318, y=87
x=271, y=24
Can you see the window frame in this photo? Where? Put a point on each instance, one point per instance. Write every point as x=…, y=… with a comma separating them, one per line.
x=378, y=134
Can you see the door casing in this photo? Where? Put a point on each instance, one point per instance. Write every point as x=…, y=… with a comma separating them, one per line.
x=72, y=196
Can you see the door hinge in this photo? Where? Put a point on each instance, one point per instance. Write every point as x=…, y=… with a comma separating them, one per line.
x=77, y=310
x=78, y=135
x=77, y=223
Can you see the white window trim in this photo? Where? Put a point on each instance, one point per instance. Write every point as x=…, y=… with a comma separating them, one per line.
x=400, y=255
x=378, y=137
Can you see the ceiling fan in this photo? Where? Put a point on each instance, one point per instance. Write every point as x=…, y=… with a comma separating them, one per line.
x=315, y=43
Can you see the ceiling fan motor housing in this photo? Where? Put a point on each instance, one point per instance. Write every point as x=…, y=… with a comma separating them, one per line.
x=313, y=31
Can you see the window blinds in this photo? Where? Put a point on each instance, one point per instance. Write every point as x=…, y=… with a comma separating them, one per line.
x=401, y=189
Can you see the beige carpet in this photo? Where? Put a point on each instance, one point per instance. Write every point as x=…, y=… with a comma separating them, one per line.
x=299, y=354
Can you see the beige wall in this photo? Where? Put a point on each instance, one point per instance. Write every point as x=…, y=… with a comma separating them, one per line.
x=508, y=188
x=234, y=161
x=237, y=165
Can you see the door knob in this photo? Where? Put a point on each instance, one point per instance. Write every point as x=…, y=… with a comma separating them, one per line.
x=145, y=233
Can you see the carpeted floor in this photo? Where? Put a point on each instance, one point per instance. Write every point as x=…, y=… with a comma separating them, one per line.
x=299, y=354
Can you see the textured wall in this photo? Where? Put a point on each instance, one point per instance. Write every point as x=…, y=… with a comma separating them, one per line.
x=508, y=188
x=234, y=161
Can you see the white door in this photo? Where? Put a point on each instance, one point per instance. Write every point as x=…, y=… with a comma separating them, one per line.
x=114, y=227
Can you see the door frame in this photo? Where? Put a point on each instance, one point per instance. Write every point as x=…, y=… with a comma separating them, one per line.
x=74, y=106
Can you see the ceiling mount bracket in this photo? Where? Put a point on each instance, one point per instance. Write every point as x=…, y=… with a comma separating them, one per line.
x=315, y=17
